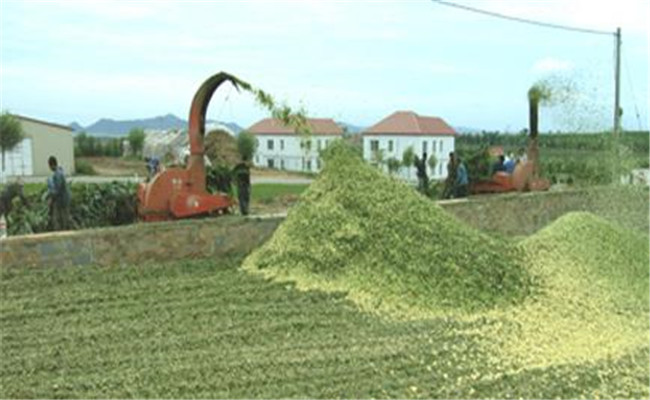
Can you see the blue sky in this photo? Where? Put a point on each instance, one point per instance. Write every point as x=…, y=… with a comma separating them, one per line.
x=354, y=61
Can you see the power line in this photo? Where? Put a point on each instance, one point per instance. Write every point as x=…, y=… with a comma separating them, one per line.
x=631, y=86
x=523, y=20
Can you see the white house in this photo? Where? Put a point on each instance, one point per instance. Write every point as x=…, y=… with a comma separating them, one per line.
x=391, y=136
x=279, y=146
x=42, y=139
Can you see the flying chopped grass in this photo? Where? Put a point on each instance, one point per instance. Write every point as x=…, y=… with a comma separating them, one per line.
x=357, y=230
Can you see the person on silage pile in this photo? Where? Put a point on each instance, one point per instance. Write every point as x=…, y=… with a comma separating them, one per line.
x=58, y=196
x=242, y=176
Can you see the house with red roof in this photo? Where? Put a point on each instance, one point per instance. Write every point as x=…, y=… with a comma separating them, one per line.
x=390, y=137
x=280, y=146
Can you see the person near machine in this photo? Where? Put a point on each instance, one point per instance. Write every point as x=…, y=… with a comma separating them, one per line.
x=499, y=165
x=421, y=167
x=58, y=195
x=153, y=166
x=510, y=164
x=242, y=176
x=450, y=182
x=462, y=180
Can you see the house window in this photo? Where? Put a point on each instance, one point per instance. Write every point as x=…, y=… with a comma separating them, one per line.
x=424, y=147
x=441, y=146
x=390, y=146
x=269, y=144
x=433, y=146
x=318, y=144
x=282, y=164
x=306, y=145
x=257, y=160
x=281, y=144
x=374, y=145
x=270, y=163
x=318, y=163
x=440, y=169
x=308, y=165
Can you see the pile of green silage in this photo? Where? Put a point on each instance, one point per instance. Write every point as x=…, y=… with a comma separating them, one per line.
x=358, y=230
x=593, y=299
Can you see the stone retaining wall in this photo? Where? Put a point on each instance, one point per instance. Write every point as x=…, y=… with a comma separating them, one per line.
x=507, y=214
x=525, y=213
x=140, y=242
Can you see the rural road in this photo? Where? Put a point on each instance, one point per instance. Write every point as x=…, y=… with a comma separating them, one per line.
x=105, y=179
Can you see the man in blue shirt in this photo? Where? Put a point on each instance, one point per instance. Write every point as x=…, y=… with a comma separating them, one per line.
x=58, y=197
x=462, y=180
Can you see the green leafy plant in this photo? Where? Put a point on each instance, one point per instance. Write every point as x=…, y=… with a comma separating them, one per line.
x=11, y=133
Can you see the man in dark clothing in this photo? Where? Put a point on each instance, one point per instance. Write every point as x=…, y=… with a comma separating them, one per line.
x=423, y=178
x=10, y=192
x=462, y=180
x=58, y=197
x=500, y=165
x=242, y=176
x=450, y=182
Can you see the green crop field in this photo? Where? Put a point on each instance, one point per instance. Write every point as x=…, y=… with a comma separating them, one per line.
x=208, y=329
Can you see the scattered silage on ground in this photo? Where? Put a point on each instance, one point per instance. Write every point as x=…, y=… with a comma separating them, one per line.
x=358, y=230
x=573, y=297
x=593, y=299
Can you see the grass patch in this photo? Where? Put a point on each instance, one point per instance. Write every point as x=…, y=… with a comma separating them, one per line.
x=266, y=192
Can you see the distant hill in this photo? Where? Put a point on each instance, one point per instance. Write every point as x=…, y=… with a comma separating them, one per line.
x=466, y=130
x=116, y=128
x=350, y=127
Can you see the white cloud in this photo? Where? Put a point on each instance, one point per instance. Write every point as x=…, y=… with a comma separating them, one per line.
x=550, y=64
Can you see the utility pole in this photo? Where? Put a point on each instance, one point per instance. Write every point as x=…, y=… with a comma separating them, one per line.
x=617, y=87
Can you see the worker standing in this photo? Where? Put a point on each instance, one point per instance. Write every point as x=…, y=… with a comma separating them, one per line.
x=462, y=180
x=450, y=182
x=243, y=179
x=58, y=197
x=423, y=178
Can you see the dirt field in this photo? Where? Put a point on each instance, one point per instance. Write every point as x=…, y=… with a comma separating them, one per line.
x=111, y=166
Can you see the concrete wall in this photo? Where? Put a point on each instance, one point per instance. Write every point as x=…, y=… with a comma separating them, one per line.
x=516, y=214
x=162, y=241
x=509, y=214
x=49, y=140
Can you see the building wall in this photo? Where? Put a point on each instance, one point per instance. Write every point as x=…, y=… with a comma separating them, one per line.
x=18, y=161
x=285, y=152
x=48, y=140
x=438, y=145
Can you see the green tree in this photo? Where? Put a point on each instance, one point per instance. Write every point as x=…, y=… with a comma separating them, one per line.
x=378, y=157
x=408, y=158
x=11, y=133
x=393, y=165
x=433, y=163
x=246, y=145
x=136, y=141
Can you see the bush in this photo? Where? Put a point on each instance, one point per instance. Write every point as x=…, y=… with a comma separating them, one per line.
x=83, y=167
x=92, y=206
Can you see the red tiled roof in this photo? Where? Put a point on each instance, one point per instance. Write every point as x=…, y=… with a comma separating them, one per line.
x=319, y=126
x=409, y=123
